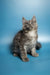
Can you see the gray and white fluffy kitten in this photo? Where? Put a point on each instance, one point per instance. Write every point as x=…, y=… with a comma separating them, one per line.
x=25, y=40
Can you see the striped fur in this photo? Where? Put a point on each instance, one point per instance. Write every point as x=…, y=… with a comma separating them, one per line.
x=26, y=40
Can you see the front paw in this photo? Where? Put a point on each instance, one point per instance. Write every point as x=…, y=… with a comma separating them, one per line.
x=15, y=54
x=25, y=59
x=35, y=54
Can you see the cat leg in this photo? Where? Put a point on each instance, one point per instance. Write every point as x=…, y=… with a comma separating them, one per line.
x=33, y=52
x=38, y=45
x=15, y=50
x=23, y=54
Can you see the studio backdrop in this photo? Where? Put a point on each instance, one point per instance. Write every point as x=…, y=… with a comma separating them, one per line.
x=11, y=13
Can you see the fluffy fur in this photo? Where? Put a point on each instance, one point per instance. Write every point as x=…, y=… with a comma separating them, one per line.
x=25, y=40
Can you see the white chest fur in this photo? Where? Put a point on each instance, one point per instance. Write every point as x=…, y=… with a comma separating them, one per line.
x=32, y=34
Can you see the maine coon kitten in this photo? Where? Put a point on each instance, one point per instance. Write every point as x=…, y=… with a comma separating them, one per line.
x=25, y=40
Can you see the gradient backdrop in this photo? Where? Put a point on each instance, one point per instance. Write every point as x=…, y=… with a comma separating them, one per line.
x=11, y=13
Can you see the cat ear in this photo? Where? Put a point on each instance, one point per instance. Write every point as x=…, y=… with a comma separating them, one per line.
x=34, y=19
x=23, y=20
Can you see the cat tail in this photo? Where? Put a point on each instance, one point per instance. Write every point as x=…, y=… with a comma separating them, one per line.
x=38, y=45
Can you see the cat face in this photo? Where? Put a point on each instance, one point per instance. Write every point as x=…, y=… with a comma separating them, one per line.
x=29, y=25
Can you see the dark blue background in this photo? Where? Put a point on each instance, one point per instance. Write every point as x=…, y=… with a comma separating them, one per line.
x=11, y=13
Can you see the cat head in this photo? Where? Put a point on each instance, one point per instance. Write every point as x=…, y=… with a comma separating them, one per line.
x=29, y=25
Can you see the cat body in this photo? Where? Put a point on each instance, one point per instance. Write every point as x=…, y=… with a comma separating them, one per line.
x=32, y=36
x=25, y=40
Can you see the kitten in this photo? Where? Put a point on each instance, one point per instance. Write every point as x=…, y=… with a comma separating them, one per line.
x=25, y=40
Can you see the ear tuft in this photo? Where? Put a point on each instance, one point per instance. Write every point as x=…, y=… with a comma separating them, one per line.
x=34, y=19
x=23, y=20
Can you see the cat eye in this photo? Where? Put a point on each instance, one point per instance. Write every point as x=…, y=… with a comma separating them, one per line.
x=27, y=23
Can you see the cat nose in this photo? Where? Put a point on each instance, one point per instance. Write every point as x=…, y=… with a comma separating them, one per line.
x=27, y=28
